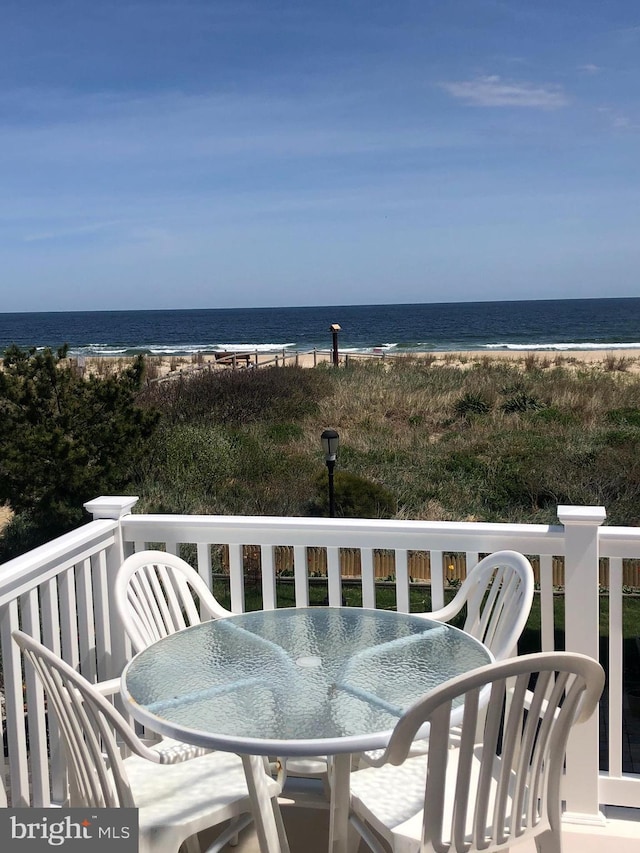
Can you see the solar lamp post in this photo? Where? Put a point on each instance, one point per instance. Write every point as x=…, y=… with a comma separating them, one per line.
x=330, y=441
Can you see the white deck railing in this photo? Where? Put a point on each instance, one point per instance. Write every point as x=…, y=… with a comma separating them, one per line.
x=62, y=592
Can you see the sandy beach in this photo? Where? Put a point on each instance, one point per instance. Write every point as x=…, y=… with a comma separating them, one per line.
x=160, y=368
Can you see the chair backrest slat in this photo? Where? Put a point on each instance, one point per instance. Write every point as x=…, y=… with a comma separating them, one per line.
x=440, y=723
x=465, y=759
x=146, y=599
x=511, y=735
x=174, y=604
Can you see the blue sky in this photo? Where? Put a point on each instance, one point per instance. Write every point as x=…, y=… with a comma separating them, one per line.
x=223, y=153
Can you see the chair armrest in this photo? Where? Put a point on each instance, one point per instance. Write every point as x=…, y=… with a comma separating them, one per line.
x=110, y=687
x=444, y=614
x=172, y=751
x=167, y=750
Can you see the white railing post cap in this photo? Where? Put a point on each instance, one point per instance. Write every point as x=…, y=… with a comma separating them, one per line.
x=111, y=506
x=582, y=514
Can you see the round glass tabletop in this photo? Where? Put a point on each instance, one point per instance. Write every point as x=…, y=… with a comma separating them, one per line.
x=297, y=681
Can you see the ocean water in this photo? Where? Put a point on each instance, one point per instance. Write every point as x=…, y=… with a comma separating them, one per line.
x=551, y=325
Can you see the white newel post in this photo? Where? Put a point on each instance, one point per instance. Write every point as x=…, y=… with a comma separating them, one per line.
x=582, y=635
x=116, y=645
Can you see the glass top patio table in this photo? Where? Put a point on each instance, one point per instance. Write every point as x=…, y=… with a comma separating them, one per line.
x=295, y=681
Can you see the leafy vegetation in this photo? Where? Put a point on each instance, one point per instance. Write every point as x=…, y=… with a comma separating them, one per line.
x=235, y=398
x=355, y=497
x=63, y=441
x=471, y=404
x=489, y=440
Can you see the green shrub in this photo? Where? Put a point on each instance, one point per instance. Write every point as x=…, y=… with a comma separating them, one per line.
x=515, y=387
x=237, y=397
x=471, y=404
x=463, y=462
x=282, y=433
x=213, y=469
x=65, y=439
x=521, y=402
x=626, y=417
x=553, y=415
x=194, y=457
x=355, y=497
x=620, y=438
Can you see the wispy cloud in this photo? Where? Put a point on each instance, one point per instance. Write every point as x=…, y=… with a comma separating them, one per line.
x=590, y=68
x=72, y=231
x=618, y=119
x=493, y=91
x=171, y=135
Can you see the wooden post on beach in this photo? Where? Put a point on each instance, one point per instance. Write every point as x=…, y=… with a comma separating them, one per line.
x=334, y=328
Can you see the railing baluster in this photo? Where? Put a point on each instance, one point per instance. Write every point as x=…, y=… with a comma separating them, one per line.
x=615, y=680
x=14, y=707
x=333, y=577
x=268, y=572
x=437, y=579
x=68, y=617
x=38, y=758
x=50, y=620
x=86, y=625
x=300, y=575
x=368, y=578
x=236, y=576
x=101, y=615
x=402, y=580
x=547, y=636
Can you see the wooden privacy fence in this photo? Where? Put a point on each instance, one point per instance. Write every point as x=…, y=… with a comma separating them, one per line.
x=419, y=565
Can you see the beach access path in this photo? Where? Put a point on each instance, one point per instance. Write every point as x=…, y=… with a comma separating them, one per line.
x=627, y=360
x=160, y=367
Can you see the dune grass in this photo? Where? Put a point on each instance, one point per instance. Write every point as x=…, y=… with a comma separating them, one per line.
x=489, y=441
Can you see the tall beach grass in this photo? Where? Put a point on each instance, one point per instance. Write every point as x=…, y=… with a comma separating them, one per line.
x=493, y=440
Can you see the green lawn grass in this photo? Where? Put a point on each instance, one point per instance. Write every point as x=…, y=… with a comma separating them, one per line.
x=420, y=602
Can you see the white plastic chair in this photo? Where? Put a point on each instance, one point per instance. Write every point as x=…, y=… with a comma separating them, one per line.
x=498, y=593
x=157, y=594
x=175, y=798
x=486, y=792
